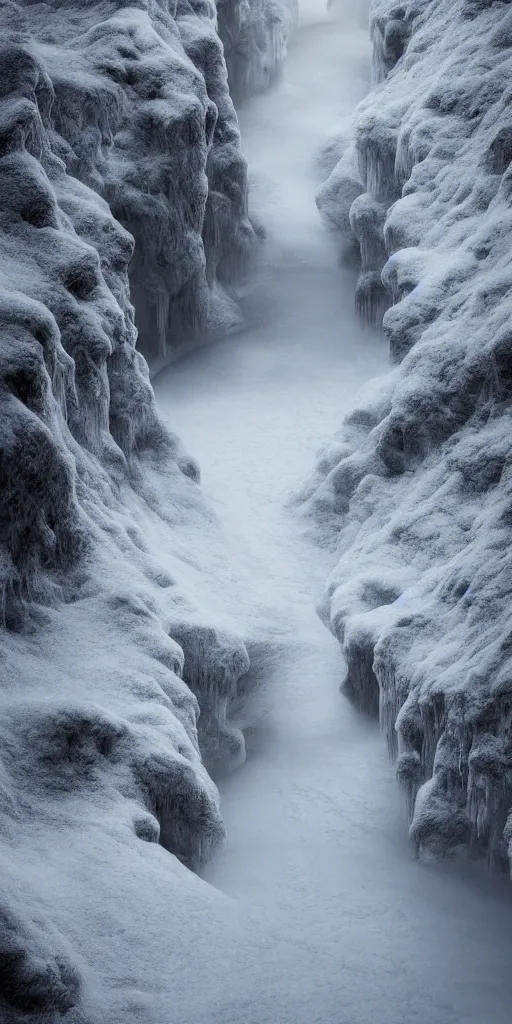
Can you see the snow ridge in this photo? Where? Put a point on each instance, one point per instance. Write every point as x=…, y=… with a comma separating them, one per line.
x=417, y=485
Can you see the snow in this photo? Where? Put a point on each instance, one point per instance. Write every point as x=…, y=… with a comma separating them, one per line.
x=109, y=552
x=347, y=925
x=415, y=486
x=142, y=114
x=128, y=608
x=255, y=36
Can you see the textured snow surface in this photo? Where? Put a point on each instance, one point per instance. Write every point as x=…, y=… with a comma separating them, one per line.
x=132, y=101
x=120, y=601
x=417, y=485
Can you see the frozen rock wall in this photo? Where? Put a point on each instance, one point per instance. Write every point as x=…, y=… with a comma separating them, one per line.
x=417, y=485
x=141, y=114
x=255, y=35
x=123, y=205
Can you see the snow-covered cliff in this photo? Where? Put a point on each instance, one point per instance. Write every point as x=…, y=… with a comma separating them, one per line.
x=123, y=204
x=141, y=113
x=255, y=35
x=417, y=485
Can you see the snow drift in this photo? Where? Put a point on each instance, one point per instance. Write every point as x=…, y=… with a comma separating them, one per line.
x=123, y=206
x=417, y=485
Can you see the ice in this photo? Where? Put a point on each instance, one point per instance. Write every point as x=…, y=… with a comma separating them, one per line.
x=143, y=116
x=104, y=118
x=352, y=927
x=423, y=492
x=255, y=35
x=130, y=613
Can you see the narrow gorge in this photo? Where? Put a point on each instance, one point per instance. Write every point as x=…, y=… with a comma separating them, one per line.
x=254, y=374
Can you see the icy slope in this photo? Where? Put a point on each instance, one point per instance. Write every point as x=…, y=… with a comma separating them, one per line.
x=417, y=484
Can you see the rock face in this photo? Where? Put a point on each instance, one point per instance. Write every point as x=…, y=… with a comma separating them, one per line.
x=417, y=485
x=123, y=206
x=255, y=35
x=138, y=110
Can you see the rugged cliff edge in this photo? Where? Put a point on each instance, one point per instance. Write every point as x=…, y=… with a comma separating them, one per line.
x=123, y=205
x=417, y=485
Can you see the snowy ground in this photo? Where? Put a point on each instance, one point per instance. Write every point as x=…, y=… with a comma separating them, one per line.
x=332, y=920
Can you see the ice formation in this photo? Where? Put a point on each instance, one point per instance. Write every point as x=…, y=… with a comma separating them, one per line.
x=255, y=35
x=140, y=112
x=417, y=485
x=123, y=206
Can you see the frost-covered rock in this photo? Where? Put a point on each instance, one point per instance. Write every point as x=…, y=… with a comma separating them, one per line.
x=115, y=124
x=255, y=35
x=140, y=112
x=417, y=486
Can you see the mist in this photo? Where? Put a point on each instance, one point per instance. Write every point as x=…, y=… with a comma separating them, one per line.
x=317, y=857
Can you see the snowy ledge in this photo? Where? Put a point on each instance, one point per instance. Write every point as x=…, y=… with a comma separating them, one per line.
x=417, y=486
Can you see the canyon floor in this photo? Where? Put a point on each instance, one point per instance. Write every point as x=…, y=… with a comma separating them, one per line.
x=348, y=927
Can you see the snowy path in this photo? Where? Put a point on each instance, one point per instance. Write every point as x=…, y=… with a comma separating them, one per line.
x=349, y=928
